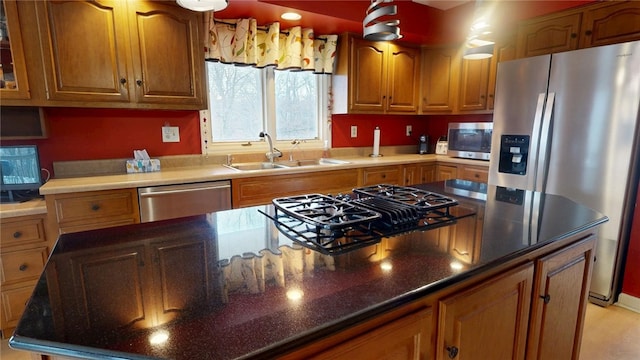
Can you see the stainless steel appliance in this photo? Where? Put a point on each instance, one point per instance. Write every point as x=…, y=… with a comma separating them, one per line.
x=335, y=225
x=470, y=140
x=566, y=124
x=173, y=201
x=423, y=144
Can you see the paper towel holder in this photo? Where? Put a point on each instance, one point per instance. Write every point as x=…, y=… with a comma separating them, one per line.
x=376, y=143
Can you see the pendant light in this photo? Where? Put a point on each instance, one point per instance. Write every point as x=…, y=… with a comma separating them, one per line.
x=480, y=42
x=204, y=5
x=377, y=25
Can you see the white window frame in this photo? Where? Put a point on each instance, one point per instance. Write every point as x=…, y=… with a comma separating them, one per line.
x=236, y=147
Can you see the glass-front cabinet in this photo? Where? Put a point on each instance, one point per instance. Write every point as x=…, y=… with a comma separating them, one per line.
x=13, y=73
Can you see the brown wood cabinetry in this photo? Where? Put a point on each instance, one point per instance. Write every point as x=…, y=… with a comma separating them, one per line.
x=13, y=69
x=391, y=175
x=419, y=174
x=128, y=53
x=559, y=302
x=446, y=172
x=261, y=190
x=439, y=76
x=376, y=77
x=473, y=173
x=406, y=338
x=603, y=23
x=24, y=252
x=474, y=84
x=487, y=321
x=72, y=212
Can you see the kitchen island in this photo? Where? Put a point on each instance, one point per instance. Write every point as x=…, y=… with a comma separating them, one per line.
x=230, y=285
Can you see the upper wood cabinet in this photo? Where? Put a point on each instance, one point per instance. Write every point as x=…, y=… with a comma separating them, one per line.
x=438, y=80
x=128, y=53
x=376, y=77
x=594, y=25
x=13, y=69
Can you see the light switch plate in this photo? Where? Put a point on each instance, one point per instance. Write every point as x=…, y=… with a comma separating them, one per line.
x=170, y=134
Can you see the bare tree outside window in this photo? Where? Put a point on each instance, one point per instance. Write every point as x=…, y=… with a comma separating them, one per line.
x=296, y=105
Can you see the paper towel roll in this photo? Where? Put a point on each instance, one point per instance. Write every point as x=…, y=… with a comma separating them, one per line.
x=376, y=142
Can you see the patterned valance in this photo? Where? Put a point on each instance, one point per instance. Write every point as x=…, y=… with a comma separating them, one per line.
x=243, y=41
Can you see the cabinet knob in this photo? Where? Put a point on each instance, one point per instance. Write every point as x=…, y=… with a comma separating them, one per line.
x=452, y=351
x=384, y=176
x=574, y=35
x=546, y=298
x=588, y=32
x=123, y=81
x=23, y=267
x=139, y=82
x=17, y=234
x=95, y=207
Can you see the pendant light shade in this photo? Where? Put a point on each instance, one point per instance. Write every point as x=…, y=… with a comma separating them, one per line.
x=377, y=24
x=204, y=5
x=479, y=52
x=480, y=41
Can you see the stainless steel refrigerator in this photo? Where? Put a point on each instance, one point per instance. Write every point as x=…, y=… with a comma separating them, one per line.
x=567, y=124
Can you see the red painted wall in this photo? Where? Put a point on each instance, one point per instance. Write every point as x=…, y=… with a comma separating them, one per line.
x=90, y=134
x=631, y=280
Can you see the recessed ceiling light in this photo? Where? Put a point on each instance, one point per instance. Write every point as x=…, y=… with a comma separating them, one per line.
x=291, y=16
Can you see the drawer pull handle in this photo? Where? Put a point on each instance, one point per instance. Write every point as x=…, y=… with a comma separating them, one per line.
x=95, y=207
x=23, y=267
x=17, y=234
x=453, y=351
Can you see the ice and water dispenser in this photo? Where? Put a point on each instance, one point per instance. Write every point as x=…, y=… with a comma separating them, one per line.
x=514, y=153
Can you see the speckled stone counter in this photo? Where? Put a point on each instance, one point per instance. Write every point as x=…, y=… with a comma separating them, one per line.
x=228, y=285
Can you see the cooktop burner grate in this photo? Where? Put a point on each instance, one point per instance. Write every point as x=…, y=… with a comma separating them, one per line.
x=334, y=225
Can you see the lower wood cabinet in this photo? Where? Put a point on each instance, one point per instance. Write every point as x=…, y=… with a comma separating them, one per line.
x=446, y=172
x=24, y=252
x=407, y=338
x=488, y=321
x=559, y=302
x=73, y=212
x=419, y=174
x=381, y=175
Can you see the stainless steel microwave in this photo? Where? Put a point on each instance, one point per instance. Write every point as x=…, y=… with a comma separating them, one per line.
x=470, y=140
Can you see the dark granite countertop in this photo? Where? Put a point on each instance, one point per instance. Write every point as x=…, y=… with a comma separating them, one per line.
x=227, y=285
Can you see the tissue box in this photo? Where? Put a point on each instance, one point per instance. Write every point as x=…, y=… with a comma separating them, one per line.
x=142, y=166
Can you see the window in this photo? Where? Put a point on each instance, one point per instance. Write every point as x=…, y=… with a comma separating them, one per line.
x=243, y=101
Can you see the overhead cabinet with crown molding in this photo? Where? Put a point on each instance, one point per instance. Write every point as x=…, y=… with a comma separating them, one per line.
x=104, y=53
x=376, y=77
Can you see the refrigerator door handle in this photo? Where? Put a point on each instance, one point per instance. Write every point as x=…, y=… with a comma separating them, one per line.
x=535, y=141
x=541, y=164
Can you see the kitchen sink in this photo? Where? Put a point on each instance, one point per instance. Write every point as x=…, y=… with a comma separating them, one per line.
x=285, y=164
x=256, y=166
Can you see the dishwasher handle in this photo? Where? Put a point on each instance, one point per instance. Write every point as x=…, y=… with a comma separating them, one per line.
x=185, y=190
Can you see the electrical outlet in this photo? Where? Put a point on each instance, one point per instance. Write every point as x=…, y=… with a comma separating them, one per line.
x=354, y=131
x=409, y=130
x=170, y=134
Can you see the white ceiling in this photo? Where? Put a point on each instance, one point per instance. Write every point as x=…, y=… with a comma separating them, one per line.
x=442, y=4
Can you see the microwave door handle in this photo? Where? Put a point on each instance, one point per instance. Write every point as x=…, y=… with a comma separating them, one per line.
x=541, y=170
x=535, y=142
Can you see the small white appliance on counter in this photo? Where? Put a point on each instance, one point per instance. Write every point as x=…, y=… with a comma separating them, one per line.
x=441, y=146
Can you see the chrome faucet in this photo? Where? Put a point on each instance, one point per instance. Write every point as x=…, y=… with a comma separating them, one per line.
x=273, y=152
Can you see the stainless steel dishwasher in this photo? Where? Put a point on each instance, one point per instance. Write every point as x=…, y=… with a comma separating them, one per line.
x=174, y=201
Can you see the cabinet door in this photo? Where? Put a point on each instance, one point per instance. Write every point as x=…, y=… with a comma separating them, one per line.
x=474, y=82
x=166, y=54
x=368, y=74
x=13, y=71
x=488, y=321
x=559, y=302
x=548, y=35
x=611, y=23
x=172, y=263
x=473, y=173
x=504, y=50
x=85, y=47
x=411, y=174
x=403, y=79
x=407, y=338
x=427, y=173
x=446, y=172
x=438, y=80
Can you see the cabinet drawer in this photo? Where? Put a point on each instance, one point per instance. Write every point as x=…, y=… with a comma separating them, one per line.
x=474, y=174
x=22, y=265
x=381, y=175
x=13, y=304
x=22, y=232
